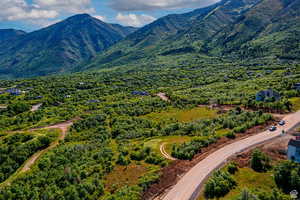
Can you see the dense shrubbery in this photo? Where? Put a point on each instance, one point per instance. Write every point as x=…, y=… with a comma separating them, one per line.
x=108, y=110
x=237, y=120
x=16, y=149
x=287, y=176
x=232, y=168
x=219, y=185
x=186, y=151
x=17, y=108
x=260, y=162
x=73, y=171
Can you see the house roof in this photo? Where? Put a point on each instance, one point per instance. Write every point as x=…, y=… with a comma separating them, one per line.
x=295, y=143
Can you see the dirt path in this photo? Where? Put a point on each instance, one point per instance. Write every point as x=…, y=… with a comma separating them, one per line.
x=164, y=153
x=31, y=161
x=163, y=96
x=64, y=129
x=36, y=107
x=190, y=184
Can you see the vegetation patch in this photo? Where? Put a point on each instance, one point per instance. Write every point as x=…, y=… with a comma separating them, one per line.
x=188, y=115
x=296, y=103
x=124, y=176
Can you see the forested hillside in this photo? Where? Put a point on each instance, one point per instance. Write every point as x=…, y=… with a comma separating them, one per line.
x=58, y=48
x=6, y=34
x=248, y=29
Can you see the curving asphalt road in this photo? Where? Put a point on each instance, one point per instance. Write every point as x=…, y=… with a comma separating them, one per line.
x=189, y=186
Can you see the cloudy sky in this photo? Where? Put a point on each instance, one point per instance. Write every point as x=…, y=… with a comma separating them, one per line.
x=33, y=14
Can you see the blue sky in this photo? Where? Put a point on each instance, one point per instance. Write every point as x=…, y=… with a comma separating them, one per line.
x=30, y=15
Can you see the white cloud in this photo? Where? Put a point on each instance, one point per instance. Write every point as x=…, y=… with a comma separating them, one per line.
x=102, y=18
x=144, y=5
x=70, y=6
x=12, y=10
x=41, y=12
x=134, y=20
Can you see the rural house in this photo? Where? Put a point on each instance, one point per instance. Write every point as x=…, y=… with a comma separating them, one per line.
x=294, y=149
x=297, y=86
x=267, y=95
x=141, y=93
x=14, y=91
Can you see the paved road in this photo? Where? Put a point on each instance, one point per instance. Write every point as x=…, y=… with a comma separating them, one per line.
x=189, y=185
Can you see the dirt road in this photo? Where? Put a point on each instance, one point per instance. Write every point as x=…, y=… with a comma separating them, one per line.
x=189, y=185
x=30, y=162
x=164, y=153
x=163, y=96
x=64, y=129
x=36, y=107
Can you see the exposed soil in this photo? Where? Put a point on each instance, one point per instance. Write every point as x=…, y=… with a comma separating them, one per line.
x=173, y=172
x=163, y=96
x=164, y=153
x=36, y=107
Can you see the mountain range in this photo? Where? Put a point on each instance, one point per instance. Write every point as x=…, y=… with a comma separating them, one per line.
x=57, y=48
x=8, y=34
x=234, y=29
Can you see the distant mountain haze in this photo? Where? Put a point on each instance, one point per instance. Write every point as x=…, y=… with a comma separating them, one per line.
x=58, y=48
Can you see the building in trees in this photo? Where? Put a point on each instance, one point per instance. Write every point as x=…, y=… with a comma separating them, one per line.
x=297, y=86
x=14, y=91
x=268, y=95
x=294, y=149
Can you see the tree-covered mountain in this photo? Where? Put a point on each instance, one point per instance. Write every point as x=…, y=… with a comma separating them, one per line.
x=6, y=34
x=58, y=48
x=231, y=29
x=235, y=29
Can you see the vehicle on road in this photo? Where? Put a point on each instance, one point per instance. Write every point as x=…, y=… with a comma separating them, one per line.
x=282, y=123
x=273, y=128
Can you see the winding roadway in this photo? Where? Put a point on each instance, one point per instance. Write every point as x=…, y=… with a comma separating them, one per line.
x=189, y=185
x=63, y=127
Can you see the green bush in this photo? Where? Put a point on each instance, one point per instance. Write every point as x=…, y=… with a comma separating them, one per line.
x=259, y=161
x=219, y=185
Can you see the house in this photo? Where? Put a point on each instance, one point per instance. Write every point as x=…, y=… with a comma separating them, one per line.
x=39, y=97
x=267, y=95
x=297, y=86
x=140, y=93
x=93, y=101
x=294, y=149
x=14, y=91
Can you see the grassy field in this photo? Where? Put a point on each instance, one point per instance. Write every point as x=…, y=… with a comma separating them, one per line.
x=247, y=178
x=155, y=143
x=183, y=115
x=124, y=175
x=296, y=103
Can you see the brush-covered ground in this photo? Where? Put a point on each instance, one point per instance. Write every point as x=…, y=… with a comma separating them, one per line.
x=112, y=150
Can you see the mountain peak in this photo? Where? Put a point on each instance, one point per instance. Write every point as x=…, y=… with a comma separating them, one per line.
x=77, y=17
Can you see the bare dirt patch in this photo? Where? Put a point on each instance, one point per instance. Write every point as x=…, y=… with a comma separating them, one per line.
x=163, y=96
